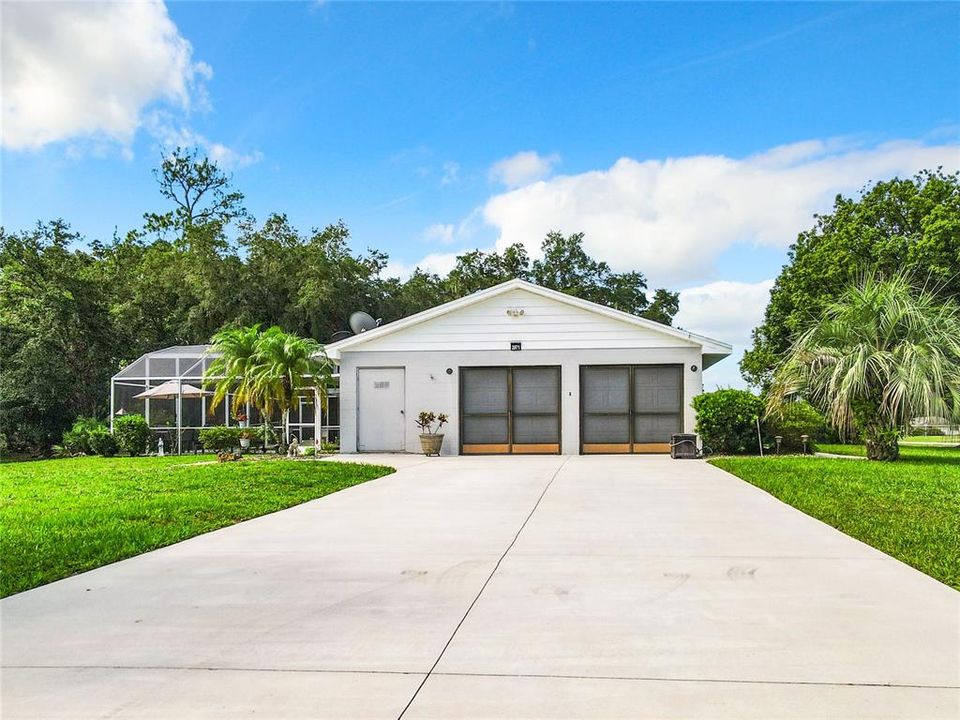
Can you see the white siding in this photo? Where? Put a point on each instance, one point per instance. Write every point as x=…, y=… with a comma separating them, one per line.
x=545, y=324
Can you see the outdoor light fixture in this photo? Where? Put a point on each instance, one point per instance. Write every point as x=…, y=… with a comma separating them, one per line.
x=805, y=439
x=779, y=439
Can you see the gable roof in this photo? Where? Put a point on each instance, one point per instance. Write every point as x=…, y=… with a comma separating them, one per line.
x=710, y=347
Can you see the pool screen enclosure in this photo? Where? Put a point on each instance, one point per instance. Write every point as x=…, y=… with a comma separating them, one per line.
x=179, y=417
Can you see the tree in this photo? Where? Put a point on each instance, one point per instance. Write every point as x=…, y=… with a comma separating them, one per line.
x=911, y=225
x=881, y=354
x=665, y=305
x=268, y=369
x=477, y=270
x=57, y=347
x=565, y=266
x=200, y=192
x=231, y=371
x=284, y=364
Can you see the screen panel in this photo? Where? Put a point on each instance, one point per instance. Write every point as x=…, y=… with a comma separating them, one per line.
x=536, y=390
x=479, y=430
x=655, y=428
x=484, y=390
x=606, y=429
x=536, y=429
x=606, y=389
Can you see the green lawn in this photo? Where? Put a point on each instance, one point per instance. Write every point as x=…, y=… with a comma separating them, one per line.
x=909, y=509
x=61, y=517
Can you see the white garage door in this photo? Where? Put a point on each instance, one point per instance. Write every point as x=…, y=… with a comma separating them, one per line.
x=380, y=411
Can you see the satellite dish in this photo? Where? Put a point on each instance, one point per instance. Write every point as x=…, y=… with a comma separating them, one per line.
x=361, y=322
x=340, y=335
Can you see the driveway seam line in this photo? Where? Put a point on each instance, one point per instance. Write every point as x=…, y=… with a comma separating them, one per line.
x=484, y=586
x=549, y=676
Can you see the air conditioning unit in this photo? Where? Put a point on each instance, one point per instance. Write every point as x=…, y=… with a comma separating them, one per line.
x=683, y=446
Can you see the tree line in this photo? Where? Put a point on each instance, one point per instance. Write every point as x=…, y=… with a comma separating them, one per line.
x=73, y=310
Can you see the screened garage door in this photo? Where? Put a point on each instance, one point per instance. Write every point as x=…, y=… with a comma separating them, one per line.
x=630, y=408
x=509, y=410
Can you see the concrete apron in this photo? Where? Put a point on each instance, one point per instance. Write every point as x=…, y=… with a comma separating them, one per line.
x=498, y=587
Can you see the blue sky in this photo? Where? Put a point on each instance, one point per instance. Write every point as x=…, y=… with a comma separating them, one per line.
x=690, y=141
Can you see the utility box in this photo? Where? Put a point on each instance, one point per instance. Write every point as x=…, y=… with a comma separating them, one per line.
x=683, y=446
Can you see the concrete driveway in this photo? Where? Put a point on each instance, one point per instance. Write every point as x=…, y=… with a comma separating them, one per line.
x=545, y=587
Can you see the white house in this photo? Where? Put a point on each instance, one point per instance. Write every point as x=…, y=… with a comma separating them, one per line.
x=521, y=369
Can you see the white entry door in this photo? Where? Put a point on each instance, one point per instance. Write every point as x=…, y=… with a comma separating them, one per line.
x=380, y=412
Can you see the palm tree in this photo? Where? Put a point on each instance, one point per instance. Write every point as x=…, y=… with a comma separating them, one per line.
x=882, y=353
x=283, y=366
x=230, y=372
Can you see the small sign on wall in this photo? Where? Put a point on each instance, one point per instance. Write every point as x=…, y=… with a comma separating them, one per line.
x=515, y=346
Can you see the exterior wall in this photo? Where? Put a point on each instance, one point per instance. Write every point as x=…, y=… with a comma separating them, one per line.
x=545, y=324
x=428, y=386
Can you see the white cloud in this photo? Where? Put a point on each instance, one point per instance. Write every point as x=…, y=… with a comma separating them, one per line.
x=228, y=158
x=439, y=232
x=522, y=168
x=728, y=311
x=89, y=69
x=170, y=134
x=672, y=218
x=451, y=173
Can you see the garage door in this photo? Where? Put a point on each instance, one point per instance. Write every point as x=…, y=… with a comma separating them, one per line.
x=509, y=410
x=630, y=408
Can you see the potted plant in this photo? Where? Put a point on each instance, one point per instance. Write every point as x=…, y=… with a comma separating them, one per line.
x=431, y=439
x=246, y=434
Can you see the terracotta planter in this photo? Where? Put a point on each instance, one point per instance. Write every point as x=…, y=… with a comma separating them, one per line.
x=431, y=443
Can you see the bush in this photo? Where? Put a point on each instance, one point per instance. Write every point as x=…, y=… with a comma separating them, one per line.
x=727, y=420
x=799, y=418
x=76, y=440
x=252, y=433
x=131, y=433
x=102, y=443
x=220, y=438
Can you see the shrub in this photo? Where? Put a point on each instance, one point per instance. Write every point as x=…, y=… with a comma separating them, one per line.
x=102, y=442
x=329, y=448
x=131, y=433
x=76, y=440
x=727, y=420
x=796, y=419
x=252, y=433
x=220, y=438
